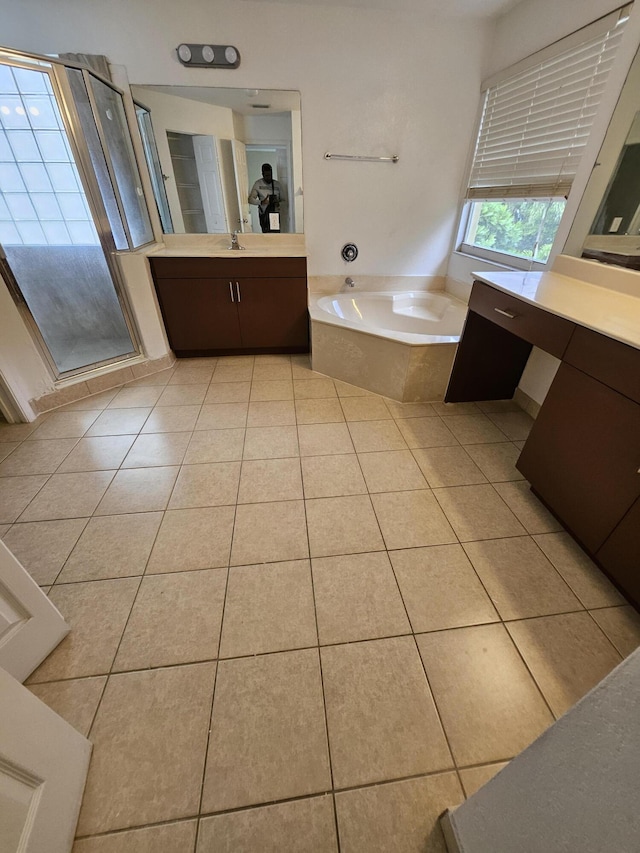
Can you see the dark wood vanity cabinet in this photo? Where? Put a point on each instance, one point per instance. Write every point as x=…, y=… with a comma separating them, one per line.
x=582, y=457
x=221, y=306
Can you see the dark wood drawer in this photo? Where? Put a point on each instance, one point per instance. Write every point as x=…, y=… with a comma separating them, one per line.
x=614, y=363
x=240, y=267
x=538, y=327
x=619, y=554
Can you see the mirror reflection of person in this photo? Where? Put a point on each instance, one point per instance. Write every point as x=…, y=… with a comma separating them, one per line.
x=267, y=194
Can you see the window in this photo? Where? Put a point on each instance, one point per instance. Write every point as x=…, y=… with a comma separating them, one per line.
x=535, y=123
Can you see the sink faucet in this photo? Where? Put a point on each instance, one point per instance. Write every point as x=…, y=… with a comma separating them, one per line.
x=349, y=282
x=234, y=242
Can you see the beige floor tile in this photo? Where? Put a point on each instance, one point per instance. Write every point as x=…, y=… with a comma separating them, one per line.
x=222, y=416
x=270, y=480
x=4, y=529
x=490, y=706
x=271, y=389
x=136, y=398
x=519, y=578
x=183, y=395
x=622, y=627
x=228, y=392
x=160, y=377
x=381, y=716
x=473, y=778
x=300, y=370
x=271, y=442
x=18, y=432
x=411, y=519
x=527, y=508
x=478, y=512
x=310, y=389
x=97, y=613
x=175, y=619
x=172, y=419
x=268, y=608
x=332, y=476
x=272, y=371
x=207, y=484
x=268, y=738
x=156, y=721
x=344, y=389
x=271, y=413
x=370, y=436
x=192, y=374
x=319, y=411
x=357, y=598
x=119, y=422
x=496, y=461
x=391, y=470
x=301, y=826
x=16, y=493
x=68, y=496
x=365, y=409
x=37, y=457
x=215, y=445
x=567, y=655
x=473, y=429
x=65, y=425
x=327, y=439
x=400, y=816
x=43, y=546
x=138, y=490
x=269, y=532
x=113, y=546
x=7, y=447
x=443, y=409
x=191, y=539
x=440, y=588
x=177, y=837
x=490, y=406
x=345, y=525
x=238, y=372
x=270, y=358
x=157, y=449
x=76, y=700
x=99, y=453
x=515, y=425
x=410, y=410
x=591, y=586
x=448, y=466
x=426, y=432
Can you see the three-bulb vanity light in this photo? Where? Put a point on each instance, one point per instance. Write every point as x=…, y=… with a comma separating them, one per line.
x=208, y=55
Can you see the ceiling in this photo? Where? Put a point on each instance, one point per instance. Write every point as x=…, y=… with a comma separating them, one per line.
x=440, y=8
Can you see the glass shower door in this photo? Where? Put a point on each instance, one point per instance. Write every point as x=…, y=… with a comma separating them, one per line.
x=55, y=260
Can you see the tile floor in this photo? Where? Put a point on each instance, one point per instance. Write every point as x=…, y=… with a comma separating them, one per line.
x=305, y=618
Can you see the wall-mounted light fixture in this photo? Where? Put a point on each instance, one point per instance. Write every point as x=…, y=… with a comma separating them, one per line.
x=208, y=55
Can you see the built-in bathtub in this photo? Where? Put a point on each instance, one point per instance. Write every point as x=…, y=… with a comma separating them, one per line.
x=397, y=343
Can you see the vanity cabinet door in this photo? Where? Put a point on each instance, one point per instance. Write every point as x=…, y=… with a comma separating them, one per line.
x=620, y=554
x=199, y=313
x=582, y=455
x=273, y=313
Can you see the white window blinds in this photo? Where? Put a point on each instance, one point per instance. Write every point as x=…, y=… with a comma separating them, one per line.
x=536, y=122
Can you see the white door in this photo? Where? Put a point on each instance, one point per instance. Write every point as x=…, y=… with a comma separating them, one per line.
x=210, y=187
x=242, y=183
x=30, y=626
x=43, y=768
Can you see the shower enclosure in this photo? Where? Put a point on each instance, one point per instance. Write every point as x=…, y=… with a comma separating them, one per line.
x=70, y=197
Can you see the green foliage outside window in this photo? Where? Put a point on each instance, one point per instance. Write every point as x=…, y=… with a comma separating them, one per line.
x=524, y=227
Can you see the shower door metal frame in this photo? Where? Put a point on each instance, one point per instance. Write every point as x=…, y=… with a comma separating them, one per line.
x=66, y=105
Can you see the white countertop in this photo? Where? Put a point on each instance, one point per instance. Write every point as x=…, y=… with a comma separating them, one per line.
x=614, y=314
x=264, y=252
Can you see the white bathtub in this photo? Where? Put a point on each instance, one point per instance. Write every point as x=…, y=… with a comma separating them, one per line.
x=414, y=317
x=397, y=343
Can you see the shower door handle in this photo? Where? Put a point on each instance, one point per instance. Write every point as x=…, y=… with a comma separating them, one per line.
x=231, y=292
x=238, y=291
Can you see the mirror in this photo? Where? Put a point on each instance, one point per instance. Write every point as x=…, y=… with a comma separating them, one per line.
x=607, y=222
x=205, y=148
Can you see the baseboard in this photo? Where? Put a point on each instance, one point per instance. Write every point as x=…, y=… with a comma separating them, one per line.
x=448, y=830
x=530, y=406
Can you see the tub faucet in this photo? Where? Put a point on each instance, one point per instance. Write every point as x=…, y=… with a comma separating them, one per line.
x=234, y=242
x=349, y=282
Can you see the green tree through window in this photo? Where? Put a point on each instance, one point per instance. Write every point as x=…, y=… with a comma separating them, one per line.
x=524, y=228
